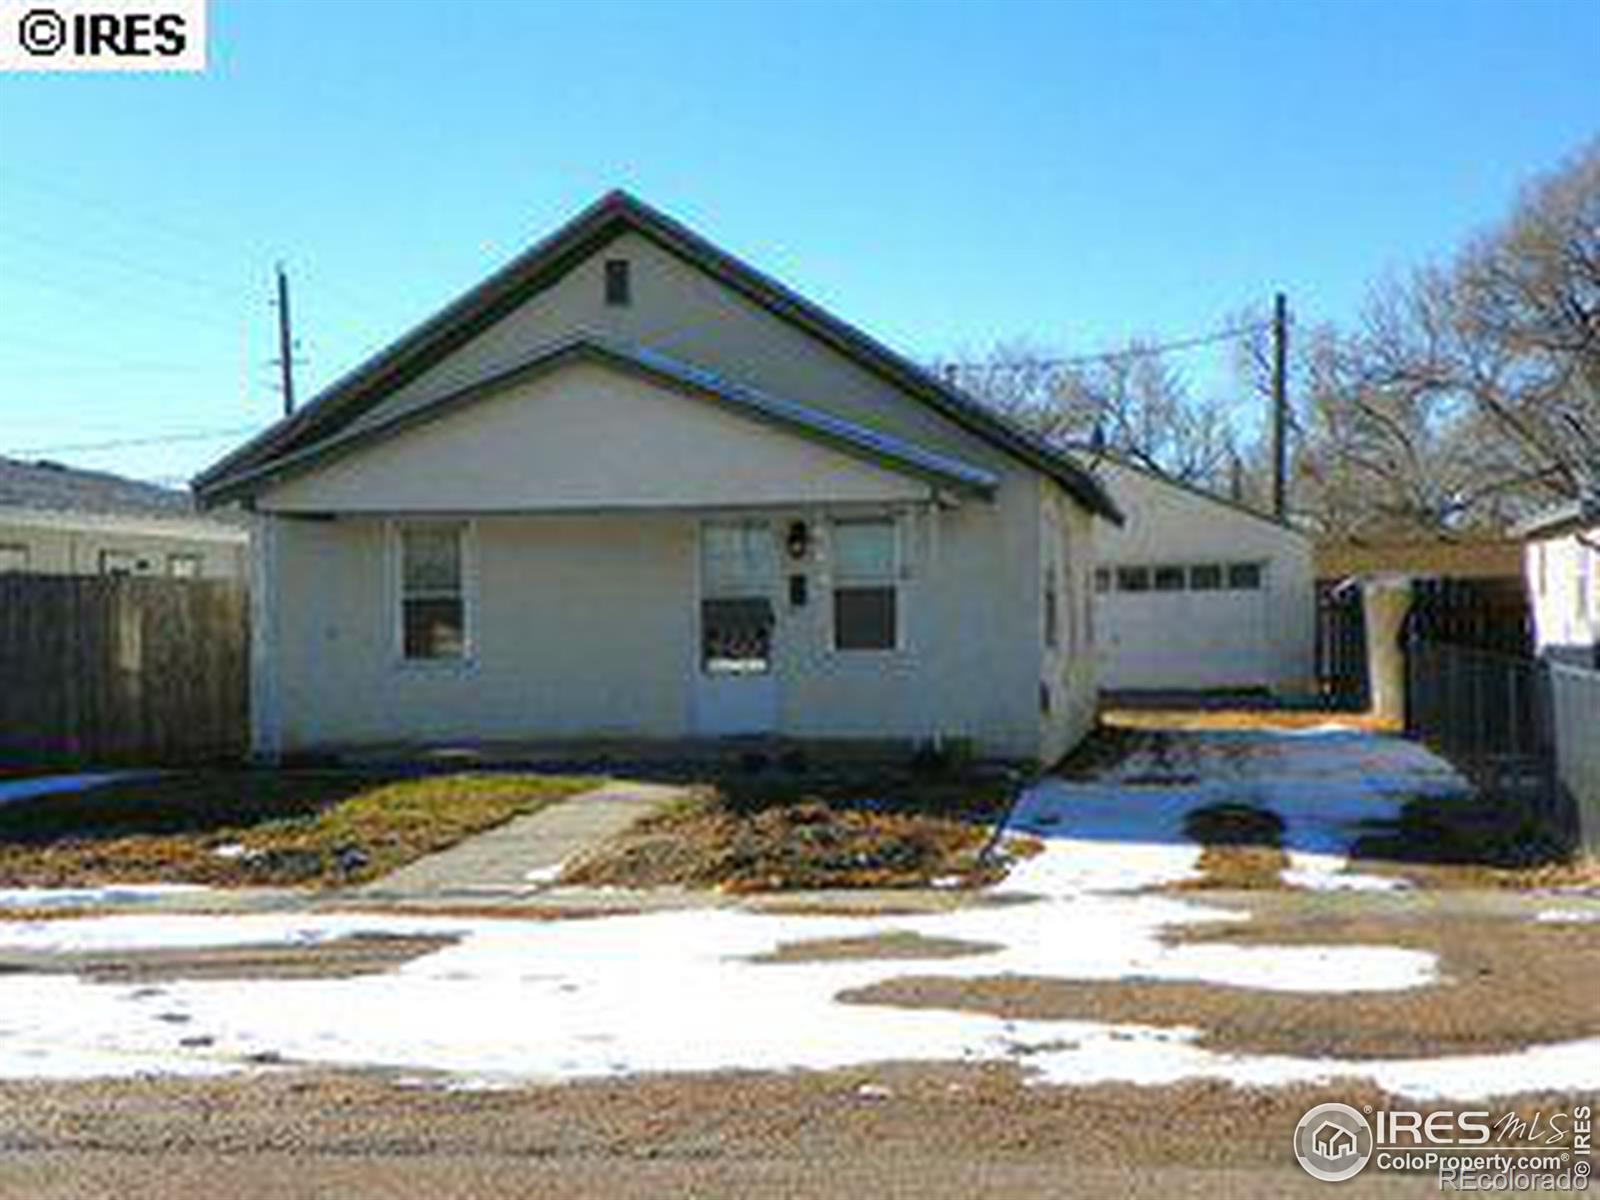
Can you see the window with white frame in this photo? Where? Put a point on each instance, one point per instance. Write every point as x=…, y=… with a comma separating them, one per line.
x=865, y=584
x=433, y=609
x=13, y=557
x=183, y=566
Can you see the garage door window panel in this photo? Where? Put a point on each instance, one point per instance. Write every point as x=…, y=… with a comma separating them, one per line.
x=1244, y=577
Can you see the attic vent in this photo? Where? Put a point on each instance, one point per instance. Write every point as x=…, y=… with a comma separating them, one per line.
x=619, y=284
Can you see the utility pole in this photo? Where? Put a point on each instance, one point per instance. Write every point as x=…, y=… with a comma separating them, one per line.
x=1280, y=406
x=285, y=342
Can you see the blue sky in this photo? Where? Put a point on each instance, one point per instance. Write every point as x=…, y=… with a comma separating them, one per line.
x=945, y=175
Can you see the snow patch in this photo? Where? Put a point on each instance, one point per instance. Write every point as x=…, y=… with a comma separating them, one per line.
x=96, y=897
x=675, y=991
x=1564, y=916
x=47, y=785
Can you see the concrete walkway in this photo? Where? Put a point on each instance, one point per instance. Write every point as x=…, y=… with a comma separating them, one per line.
x=525, y=854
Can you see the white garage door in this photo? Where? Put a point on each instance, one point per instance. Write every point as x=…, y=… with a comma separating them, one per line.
x=1192, y=627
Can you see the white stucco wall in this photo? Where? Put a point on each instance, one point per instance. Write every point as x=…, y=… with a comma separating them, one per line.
x=587, y=625
x=1195, y=640
x=587, y=620
x=589, y=437
x=1563, y=576
x=684, y=313
x=1070, y=668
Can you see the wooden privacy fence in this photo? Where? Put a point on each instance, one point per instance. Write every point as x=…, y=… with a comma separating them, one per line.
x=110, y=669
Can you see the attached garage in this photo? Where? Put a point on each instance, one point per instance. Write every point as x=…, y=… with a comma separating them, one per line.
x=1198, y=593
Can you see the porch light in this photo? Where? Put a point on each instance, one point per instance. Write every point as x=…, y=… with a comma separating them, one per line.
x=799, y=540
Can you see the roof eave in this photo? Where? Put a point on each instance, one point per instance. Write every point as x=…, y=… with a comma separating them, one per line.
x=464, y=317
x=244, y=484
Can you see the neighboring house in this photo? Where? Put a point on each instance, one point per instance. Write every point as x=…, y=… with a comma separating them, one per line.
x=1199, y=593
x=57, y=520
x=629, y=486
x=1563, y=571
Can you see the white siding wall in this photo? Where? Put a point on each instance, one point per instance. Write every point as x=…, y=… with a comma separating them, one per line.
x=1564, y=582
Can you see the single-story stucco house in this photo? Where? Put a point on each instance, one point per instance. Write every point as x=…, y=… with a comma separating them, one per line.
x=61, y=520
x=1197, y=592
x=629, y=486
x=1563, y=577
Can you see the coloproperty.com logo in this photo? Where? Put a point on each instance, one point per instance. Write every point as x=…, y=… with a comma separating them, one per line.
x=1471, y=1150
x=102, y=35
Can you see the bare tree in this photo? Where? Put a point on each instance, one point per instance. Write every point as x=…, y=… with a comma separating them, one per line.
x=1133, y=402
x=1470, y=395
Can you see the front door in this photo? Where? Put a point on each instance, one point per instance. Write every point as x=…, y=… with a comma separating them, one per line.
x=736, y=683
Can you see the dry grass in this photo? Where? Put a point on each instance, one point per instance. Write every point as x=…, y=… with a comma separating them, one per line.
x=1239, y=719
x=1241, y=848
x=865, y=831
x=284, y=827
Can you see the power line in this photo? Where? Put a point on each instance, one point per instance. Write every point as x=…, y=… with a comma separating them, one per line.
x=147, y=220
x=165, y=439
x=174, y=308
x=1138, y=350
x=119, y=261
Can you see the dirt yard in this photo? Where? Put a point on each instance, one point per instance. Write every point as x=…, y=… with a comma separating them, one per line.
x=1105, y=1021
x=856, y=830
x=938, y=1132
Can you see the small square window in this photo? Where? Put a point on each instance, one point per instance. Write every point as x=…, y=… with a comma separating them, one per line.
x=1205, y=577
x=183, y=566
x=864, y=618
x=1169, y=579
x=1244, y=577
x=619, y=283
x=1133, y=579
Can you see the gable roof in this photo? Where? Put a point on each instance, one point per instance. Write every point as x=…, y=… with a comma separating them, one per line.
x=1193, y=489
x=855, y=440
x=548, y=260
x=1562, y=519
x=52, y=487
